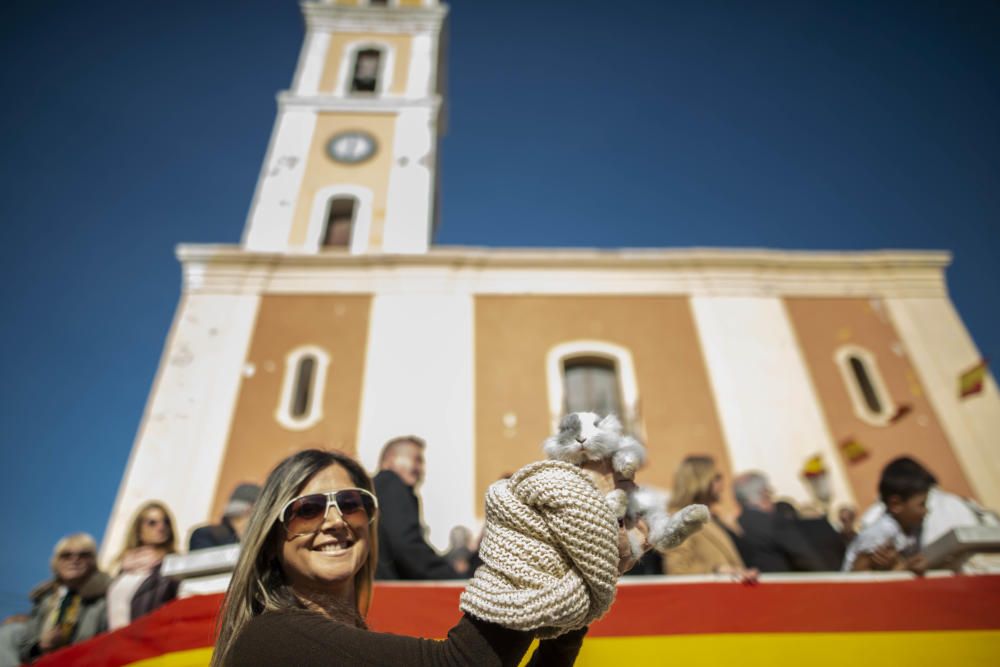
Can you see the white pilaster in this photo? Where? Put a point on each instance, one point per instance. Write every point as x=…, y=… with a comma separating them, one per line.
x=273, y=207
x=311, y=61
x=409, y=205
x=420, y=79
x=766, y=401
x=183, y=434
x=419, y=380
x=941, y=349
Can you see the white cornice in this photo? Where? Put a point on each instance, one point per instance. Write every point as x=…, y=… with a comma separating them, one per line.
x=696, y=271
x=289, y=100
x=343, y=18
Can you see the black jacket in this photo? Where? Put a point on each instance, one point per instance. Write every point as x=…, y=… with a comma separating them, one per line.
x=153, y=592
x=828, y=544
x=402, y=551
x=216, y=535
x=772, y=543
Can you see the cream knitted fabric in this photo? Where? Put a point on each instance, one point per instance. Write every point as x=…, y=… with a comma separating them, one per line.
x=549, y=552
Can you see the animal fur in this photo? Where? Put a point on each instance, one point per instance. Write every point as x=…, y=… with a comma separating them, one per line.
x=584, y=436
x=666, y=531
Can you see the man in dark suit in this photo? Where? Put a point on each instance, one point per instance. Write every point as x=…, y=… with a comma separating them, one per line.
x=234, y=520
x=770, y=542
x=403, y=553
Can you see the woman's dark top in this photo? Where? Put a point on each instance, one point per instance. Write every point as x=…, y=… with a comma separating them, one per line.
x=155, y=591
x=312, y=640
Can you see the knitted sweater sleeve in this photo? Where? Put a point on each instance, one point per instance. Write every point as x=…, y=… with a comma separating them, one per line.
x=311, y=640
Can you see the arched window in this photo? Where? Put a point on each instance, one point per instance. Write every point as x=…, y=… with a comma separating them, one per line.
x=865, y=384
x=365, y=74
x=301, y=403
x=590, y=384
x=593, y=376
x=869, y=396
x=366, y=68
x=339, y=221
x=340, y=217
x=302, y=392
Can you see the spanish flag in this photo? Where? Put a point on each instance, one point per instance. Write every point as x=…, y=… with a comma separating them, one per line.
x=853, y=450
x=823, y=621
x=814, y=467
x=971, y=381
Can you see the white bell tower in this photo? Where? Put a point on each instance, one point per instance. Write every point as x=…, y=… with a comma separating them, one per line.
x=352, y=162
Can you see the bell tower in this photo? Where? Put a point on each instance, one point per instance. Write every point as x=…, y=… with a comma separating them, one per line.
x=352, y=162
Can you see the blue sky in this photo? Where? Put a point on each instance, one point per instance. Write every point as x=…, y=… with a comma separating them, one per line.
x=130, y=127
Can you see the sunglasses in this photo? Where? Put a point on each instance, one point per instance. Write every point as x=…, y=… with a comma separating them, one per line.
x=69, y=555
x=305, y=515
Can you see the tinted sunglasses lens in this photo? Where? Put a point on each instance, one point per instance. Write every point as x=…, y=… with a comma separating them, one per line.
x=354, y=502
x=305, y=514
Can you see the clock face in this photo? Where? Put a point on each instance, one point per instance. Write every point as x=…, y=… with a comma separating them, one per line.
x=351, y=147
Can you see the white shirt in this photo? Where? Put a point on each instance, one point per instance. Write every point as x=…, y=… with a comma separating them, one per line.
x=945, y=511
x=883, y=530
x=120, y=594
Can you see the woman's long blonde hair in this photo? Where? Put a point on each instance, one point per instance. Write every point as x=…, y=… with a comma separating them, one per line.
x=693, y=482
x=133, y=538
x=258, y=583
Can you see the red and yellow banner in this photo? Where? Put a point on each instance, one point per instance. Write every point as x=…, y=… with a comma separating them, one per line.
x=850, y=622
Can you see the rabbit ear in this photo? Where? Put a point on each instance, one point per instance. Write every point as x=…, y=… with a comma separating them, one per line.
x=570, y=422
x=610, y=423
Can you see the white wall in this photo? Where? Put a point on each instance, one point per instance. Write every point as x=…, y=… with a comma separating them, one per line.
x=270, y=221
x=940, y=348
x=766, y=402
x=419, y=371
x=183, y=434
x=409, y=202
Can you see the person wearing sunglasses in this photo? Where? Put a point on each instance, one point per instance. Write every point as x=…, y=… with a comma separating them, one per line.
x=303, y=584
x=71, y=607
x=139, y=588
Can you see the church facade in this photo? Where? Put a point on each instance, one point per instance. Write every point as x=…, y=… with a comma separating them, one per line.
x=336, y=323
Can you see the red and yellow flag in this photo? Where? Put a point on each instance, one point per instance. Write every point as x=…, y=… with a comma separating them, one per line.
x=971, y=381
x=854, y=620
x=853, y=450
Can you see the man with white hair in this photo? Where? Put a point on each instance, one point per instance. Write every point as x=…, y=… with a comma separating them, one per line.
x=769, y=542
x=71, y=607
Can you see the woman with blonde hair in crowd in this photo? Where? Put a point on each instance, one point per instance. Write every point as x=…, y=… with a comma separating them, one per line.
x=303, y=584
x=139, y=588
x=712, y=550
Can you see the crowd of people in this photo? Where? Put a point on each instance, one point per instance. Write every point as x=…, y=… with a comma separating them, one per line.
x=298, y=562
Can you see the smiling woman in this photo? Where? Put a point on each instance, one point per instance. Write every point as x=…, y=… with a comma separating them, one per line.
x=303, y=583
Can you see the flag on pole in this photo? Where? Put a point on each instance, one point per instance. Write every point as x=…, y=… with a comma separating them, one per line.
x=903, y=410
x=971, y=381
x=814, y=467
x=853, y=450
